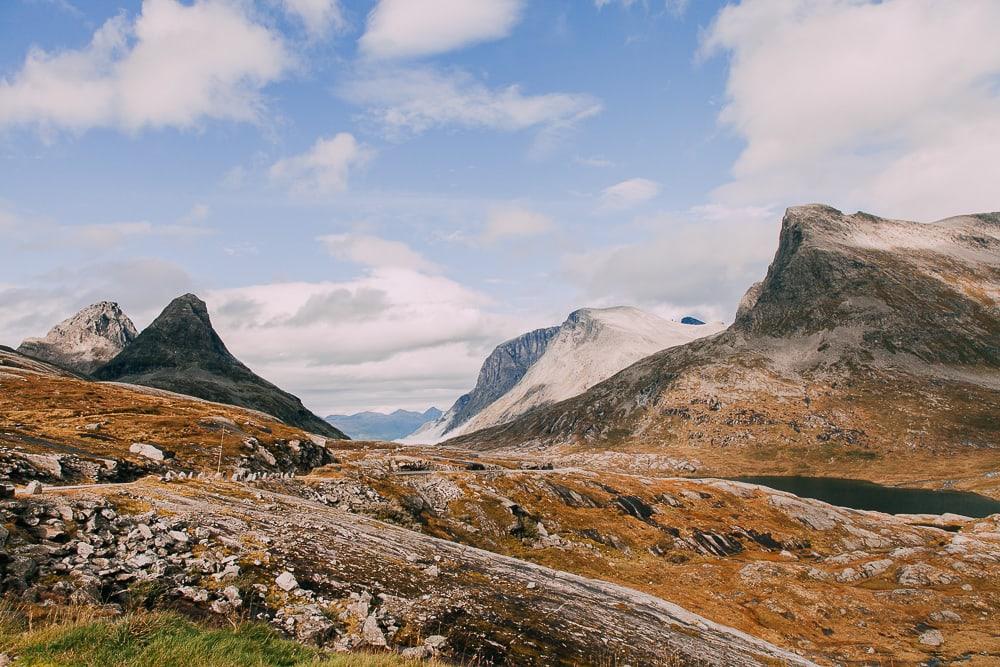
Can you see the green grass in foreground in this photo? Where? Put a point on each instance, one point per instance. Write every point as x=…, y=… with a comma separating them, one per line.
x=161, y=640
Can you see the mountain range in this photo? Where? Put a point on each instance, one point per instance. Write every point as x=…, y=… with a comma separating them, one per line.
x=380, y=426
x=549, y=365
x=179, y=352
x=869, y=339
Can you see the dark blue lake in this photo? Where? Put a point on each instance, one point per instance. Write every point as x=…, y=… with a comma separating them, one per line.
x=862, y=495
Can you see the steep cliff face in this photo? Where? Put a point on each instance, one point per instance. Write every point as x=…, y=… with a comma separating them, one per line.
x=503, y=368
x=868, y=336
x=181, y=352
x=592, y=345
x=85, y=341
x=926, y=290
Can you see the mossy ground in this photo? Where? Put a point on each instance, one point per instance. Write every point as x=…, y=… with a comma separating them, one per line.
x=78, y=637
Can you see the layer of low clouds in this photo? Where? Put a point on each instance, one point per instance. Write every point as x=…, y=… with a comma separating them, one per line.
x=33, y=234
x=397, y=334
x=376, y=252
x=892, y=106
x=173, y=65
x=413, y=28
x=629, y=193
x=324, y=168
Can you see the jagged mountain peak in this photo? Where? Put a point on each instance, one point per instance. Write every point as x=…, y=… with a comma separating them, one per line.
x=180, y=351
x=549, y=365
x=86, y=340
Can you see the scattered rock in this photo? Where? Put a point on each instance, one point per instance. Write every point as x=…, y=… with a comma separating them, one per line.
x=286, y=581
x=931, y=638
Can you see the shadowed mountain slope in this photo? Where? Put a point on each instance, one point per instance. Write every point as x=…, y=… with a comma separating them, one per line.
x=181, y=352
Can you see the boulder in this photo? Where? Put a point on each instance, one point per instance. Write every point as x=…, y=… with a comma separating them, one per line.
x=286, y=581
x=148, y=451
x=372, y=633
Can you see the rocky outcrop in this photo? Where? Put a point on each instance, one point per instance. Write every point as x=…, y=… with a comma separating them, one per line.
x=345, y=581
x=85, y=341
x=181, y=352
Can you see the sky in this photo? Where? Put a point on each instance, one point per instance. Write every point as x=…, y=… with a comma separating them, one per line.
x=372, y=194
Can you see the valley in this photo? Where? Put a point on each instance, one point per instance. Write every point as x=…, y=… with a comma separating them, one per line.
x=593, y=520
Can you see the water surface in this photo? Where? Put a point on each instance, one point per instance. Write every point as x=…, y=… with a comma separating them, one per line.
x=862, y=495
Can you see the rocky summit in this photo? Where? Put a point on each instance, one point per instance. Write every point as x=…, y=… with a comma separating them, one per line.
x=85, y=341
x=181, y=352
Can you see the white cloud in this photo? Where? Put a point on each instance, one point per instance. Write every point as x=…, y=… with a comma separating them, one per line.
x=677, y=264
x=890, y=106
x=174, y=65
x=375, y=252
x=198, y=213
x=675, y=7
x=318, y=16
x=416, y=100
x=324, y=168
x=513, y=221
x=629, y=193
x=409, y=28
x=390, y=337
x=594, y=161
x=143, y=286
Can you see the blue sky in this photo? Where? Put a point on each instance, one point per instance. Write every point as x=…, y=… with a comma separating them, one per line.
x=370, y=195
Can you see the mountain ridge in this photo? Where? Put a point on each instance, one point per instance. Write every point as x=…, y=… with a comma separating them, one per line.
x=372, y=425
x=86, y=340
x=836, y=348
x=590, y=345
x=180, y=351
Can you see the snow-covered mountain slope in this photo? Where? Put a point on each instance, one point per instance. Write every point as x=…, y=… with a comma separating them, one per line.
x=591, y=345
x=86, y=340
x=505, y=366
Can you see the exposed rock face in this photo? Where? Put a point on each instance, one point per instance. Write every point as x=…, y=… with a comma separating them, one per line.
x=505, y=366
x=927, y=290
x=749, y=299
x=181, y=352
x=86, y=340
x=870, y=312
